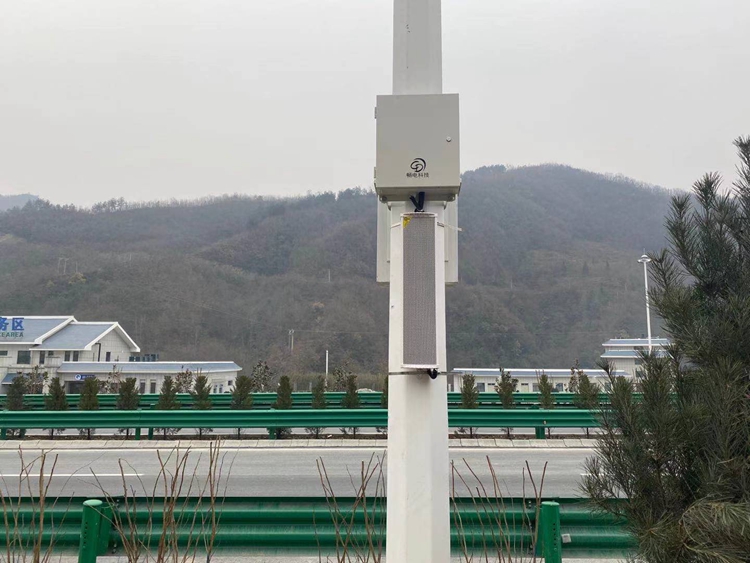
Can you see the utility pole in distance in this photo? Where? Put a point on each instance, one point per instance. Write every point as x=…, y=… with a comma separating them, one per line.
x=417, y=179
x=645, y=260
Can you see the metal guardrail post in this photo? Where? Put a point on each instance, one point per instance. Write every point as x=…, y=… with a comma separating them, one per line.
x=539, y=432
x=150, y=433
x=105, y=527
x=90, y=528
x=137, y=433
x=4, y=434
x=550, y=532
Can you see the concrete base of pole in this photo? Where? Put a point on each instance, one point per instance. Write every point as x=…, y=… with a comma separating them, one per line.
x=418, y=524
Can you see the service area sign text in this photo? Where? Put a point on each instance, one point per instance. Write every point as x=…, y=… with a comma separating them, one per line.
x=11, y=327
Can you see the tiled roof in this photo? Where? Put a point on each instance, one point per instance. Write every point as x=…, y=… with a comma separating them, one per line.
x=636, y=342
x=76, y=336
x=631, y=353
x=33, y=328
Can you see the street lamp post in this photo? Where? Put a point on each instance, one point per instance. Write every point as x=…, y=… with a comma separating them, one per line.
x=645, y=260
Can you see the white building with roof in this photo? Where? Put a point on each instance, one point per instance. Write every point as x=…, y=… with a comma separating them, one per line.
x=528, y=379
x=625, y=353
x=74, y=351
x=150, y=375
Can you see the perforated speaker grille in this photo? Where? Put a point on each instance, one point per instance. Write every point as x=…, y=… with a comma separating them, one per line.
x=420, y=330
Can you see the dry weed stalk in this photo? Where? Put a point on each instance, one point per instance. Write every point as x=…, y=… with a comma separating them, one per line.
x=190, y=507
x=350, y=546
x=25, y=535
x=501, y=542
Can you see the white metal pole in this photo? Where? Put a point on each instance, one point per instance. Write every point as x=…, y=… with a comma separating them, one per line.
x=645, y=260
x=648, y=304
x=417, y=47
x=326, y=362
x=418, y=523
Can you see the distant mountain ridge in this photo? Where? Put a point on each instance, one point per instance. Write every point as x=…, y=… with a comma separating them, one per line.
x=547, y=265
x=11, y=201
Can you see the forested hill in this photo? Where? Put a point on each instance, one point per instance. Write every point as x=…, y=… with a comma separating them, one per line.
x=10, y=201
x=547, y=262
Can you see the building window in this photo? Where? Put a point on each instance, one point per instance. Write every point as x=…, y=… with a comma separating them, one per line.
x=142, y=387
x=558, y=388
x=229, y=383
x=221, y=388
x=3, y=352
x=75, y=356
x=24, y=357
x=108, y=357
x=67, y=356
x=480, y=387
x=41, y=358
x=536, y=388
x=153, y=387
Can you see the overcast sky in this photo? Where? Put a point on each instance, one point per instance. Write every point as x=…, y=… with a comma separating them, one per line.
x=155, y=99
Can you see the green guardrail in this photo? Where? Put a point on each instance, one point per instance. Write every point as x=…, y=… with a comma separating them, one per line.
x=273, y=419
x=303, y=400
x=305, y=525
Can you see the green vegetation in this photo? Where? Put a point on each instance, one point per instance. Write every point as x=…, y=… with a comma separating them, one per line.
x=128, y=399
x=14, y=400
x=318, y=402
x=261, y=378
x=680, y=456
x=16, y=392
x=167, y=396
x=201, y=394
x=546, y=400
x=227, y=278
x=89, y=401
x=585, y=392
x=168, y=401
x=55, y=399
x=505, y=386
x=350, y=401
x=469, y=398
x=283, y=402
x=469, y=392
x=242, y=396
x=340, y=376
x=184, y=381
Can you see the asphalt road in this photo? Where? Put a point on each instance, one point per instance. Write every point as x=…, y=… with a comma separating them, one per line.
x=283, y=471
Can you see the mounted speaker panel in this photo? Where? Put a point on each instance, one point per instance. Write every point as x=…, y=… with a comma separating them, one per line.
x=420, y=320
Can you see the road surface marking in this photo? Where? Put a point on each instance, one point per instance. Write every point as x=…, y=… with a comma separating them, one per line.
x=81, y=474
